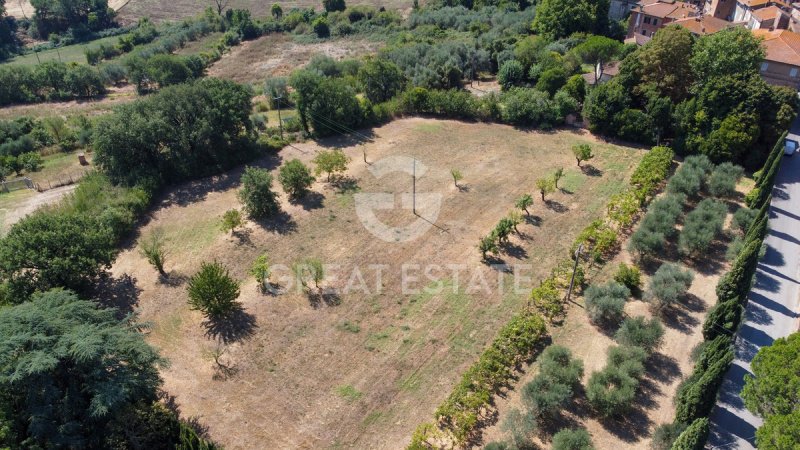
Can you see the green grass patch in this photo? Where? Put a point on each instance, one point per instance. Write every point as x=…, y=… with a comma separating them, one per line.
x=67, y=54
x=429, y=127
x=349, y=393
x=349, y=326
x=377, y=341
x=573, y=180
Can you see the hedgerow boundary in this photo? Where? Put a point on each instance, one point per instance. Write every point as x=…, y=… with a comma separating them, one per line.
x=459, y=419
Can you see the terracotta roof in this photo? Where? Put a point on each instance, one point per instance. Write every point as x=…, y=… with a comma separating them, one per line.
x=781, y=46
x=638, y=39
x=770, y=12
x=673, y=10
x=760, y=3
x=703, y=25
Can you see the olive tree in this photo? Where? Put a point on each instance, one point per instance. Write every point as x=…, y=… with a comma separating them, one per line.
x=668, y=285
x=572, y=439
x=640, y=332
x=723, y=179
x=213, y=291
x=606, y=303
x=310, y=269
x=611, y=391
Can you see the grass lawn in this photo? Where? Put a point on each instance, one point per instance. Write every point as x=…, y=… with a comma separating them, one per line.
x=67, y=54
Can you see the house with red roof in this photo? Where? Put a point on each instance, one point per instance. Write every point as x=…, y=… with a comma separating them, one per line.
x=648, y=18
x=781, y=65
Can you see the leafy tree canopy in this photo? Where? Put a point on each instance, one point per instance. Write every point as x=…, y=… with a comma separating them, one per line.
x=67, y=367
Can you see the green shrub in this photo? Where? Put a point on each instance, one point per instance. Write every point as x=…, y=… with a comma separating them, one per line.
x=702, y=226
x=665, y=434
x=623, y=208
x=574, y=439
x=295, y=178
x=256, y=193
x=606, y=303
x=213, y=291
x=630, y=360
x=668, y=284
x=693, y=437
x=557, y=363
x=611, y=392
x=640, y=332
x=687, y=180
x=653, y=169
x=599, y=241
x=743, y=218
x=630, y=276
x=545, y=396
x=723, y=179
x=547, y=298
x=734, y=248
x=511, y=74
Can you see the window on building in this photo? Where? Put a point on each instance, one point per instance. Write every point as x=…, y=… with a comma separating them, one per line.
x=655, y=22
x=764, y=66
x=646, y=20
x=793, y=72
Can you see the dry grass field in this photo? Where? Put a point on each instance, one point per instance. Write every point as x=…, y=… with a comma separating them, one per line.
x=160, y=10
x=667, y=367
x=279, y=55
x=361, y=368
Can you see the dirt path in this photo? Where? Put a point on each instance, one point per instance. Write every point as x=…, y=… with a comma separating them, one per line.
x=30, y=201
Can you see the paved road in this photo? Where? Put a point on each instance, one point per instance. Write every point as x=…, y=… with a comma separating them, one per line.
x=772, y=312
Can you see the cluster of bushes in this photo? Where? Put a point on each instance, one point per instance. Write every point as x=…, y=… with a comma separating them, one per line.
x=144, y=33
x=545, y=396
x=144, y=143
x=713, y=103
x=27, y=162
x=460, y=413
x=78, y=18
x=702, y=225
x=697, y=394
x=50, y=80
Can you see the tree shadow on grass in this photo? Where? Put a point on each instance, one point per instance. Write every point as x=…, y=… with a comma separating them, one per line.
x=244, y=236
x=345, y=185
x=236, y=326
x=556, y=206
x=120, y=292
x=323, y=297
x=514, y=250
x=662, y=367
x=533, y=220
x=173, y=279
x=678, y=318
x=280, y=223
x=312, y=200
x=591, y=170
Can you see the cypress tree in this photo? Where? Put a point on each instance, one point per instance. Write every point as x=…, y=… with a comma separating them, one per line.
x=776, y=153
x=725, y=315
x=693, y=437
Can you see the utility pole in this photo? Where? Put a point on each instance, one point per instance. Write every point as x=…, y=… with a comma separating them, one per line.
x=414, y=187
x=574, y=269
x=280, y=122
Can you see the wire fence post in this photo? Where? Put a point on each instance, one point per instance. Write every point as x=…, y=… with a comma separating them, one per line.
x=574, y=269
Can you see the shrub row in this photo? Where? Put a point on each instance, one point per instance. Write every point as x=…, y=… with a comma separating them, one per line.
x=460, y=412
x=548, y=298
x=697, y=394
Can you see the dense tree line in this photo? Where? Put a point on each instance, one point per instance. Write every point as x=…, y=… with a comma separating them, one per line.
x=78, y=16
x=181, y=132
x=713, y=102
x=50, y=80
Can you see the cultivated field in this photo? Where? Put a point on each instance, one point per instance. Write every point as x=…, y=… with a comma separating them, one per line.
x=160, y=10
x=666, y=368
x=363, y=368
x=279, y=55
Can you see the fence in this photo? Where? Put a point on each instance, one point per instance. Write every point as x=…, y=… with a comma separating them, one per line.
x=62, y=180
x=15, y=185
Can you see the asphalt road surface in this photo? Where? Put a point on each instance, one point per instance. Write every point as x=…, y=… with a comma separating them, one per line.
x=771, y=313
